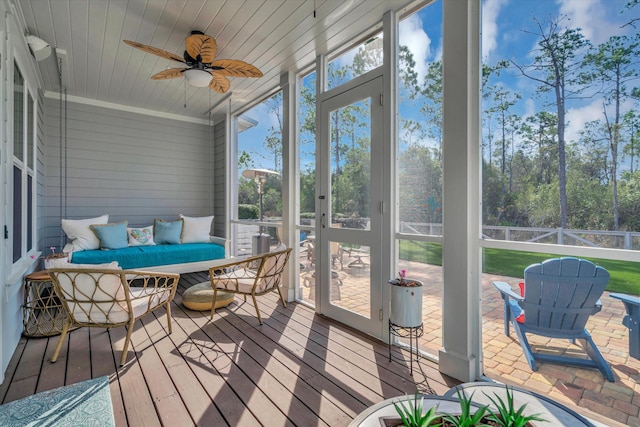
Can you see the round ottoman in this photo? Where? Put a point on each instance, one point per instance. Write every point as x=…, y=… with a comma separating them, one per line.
x=198, y=297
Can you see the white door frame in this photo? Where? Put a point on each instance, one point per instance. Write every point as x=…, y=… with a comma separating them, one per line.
x=369, y=86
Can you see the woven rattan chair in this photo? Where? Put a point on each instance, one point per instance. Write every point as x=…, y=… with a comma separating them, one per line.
x=108, y=298
x=255, y=276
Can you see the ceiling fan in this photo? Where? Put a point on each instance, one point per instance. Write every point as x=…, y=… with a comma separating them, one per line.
x=202, y=70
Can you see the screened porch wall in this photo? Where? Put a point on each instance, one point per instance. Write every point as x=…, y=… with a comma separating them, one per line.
x=132, y=166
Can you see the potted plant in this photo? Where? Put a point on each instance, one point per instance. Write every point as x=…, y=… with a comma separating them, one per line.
x=54, y=256
x=406, y=301
x=505, y=414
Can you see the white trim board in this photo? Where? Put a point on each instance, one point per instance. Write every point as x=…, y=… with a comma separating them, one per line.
x=120, y=107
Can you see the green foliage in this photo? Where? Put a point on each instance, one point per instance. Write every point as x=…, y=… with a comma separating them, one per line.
x=469, y=415
x=411, y=413
x=248, y=212
x=507, y=415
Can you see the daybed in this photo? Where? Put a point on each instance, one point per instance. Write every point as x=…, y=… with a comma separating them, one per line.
x=181, y=246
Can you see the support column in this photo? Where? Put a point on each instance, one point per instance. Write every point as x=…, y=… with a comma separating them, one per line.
x=290, y=238
x=460, y=356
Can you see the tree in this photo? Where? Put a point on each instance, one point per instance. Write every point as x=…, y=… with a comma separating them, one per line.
x=631, y=124
x=615, y=65
x=273, y=141
x=556, y=69
x=431, y=91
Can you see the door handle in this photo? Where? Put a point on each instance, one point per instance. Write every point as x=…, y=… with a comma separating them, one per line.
x=322, y=220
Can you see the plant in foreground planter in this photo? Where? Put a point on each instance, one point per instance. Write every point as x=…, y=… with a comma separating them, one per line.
x=467, y=417
x=506, y=415
x=413, y=416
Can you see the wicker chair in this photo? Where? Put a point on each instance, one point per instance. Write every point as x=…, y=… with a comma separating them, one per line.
x=255, y=276
x=108, y=298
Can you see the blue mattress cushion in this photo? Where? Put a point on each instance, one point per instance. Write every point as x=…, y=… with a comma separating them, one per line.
x=133, y=257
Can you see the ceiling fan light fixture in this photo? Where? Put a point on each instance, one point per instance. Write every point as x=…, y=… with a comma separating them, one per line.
x=197, y=78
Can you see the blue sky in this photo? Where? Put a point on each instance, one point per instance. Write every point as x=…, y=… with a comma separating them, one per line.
x=504, y=25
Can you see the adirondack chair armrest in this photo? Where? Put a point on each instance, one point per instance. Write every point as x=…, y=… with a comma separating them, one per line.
x=632, y=305
x=632, y=321
x=627, y=299
x=506, y=291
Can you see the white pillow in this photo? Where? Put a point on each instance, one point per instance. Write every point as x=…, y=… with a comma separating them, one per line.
x=80, y=233
x=196, y=229
x=142, y=236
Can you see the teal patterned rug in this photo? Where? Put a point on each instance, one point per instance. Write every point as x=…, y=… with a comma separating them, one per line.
x=87, y=403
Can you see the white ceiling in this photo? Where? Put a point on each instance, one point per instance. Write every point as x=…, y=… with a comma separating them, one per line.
x=273, y=35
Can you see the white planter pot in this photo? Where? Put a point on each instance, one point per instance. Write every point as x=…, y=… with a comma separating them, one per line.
x=406, y=304
x=56, y=262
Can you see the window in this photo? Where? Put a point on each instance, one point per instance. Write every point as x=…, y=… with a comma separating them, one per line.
x=259, y=165
x=306, y=147
x=419, y=158
x=23, y=167
x=560, y=137
x=355, y=62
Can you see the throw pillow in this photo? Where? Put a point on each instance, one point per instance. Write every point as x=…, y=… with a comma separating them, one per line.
x=111, y=236
x=80, y=234
x=141, y=236
x=167, y=232
x=196, y=229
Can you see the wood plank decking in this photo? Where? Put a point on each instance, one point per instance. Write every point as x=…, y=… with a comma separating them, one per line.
x=296, y=369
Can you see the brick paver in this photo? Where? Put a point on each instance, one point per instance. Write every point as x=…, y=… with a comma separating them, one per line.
x=584, y=390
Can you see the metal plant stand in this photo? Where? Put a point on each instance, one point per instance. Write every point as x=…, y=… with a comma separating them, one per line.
x=413, y=332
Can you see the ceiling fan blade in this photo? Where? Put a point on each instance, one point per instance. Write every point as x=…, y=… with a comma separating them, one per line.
x=203, y=45
x=219, y=83
x=171, y=73
x=154, y=50
x=235, y=68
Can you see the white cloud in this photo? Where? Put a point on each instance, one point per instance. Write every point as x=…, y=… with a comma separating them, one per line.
x=577, y=117
x=590, y=17
x=413, y=36
x=490, y=11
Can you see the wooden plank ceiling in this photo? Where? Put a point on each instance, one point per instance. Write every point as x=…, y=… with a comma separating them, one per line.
x=274, y=35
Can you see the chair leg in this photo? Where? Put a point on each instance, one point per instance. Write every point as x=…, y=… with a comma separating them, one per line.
x=284, y=302
x=596, y=356
x=255, y=304
x=526, y=347
x=65, y=331
x=123, y=358
x=168, y=308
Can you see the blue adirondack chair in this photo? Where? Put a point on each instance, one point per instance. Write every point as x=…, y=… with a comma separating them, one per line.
x=632, y=321
x=559, y=296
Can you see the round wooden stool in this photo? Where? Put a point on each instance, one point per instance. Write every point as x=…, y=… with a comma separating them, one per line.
x=198, y=297
x=43, y=312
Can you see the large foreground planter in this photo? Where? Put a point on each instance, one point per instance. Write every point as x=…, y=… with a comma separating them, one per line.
x=406, y=303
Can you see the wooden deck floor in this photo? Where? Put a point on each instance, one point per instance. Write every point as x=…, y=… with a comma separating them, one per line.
x=296, y=369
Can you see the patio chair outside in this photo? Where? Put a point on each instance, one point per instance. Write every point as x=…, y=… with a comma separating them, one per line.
x=255, y=276
x=560, y=295
x=107, y=298
x=632, y=321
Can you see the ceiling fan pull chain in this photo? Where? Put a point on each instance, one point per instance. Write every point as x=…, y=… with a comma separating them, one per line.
x=185, y=94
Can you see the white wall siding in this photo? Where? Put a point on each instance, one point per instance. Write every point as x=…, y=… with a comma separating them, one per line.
x=131, y=166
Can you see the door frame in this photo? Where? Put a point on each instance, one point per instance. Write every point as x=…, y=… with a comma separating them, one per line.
x=372, y=86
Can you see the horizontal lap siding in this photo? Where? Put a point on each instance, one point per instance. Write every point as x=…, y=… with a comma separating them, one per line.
x=220, y=182
x=132, y=166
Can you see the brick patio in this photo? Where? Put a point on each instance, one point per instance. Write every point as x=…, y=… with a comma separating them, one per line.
x=585, y=390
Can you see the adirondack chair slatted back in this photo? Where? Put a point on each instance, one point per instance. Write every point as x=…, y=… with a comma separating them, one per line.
x=561, y=294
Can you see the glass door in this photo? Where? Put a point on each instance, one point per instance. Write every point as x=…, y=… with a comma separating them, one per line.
x=349, y=210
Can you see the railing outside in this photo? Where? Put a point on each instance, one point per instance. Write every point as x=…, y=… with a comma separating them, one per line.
x=629, y=240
